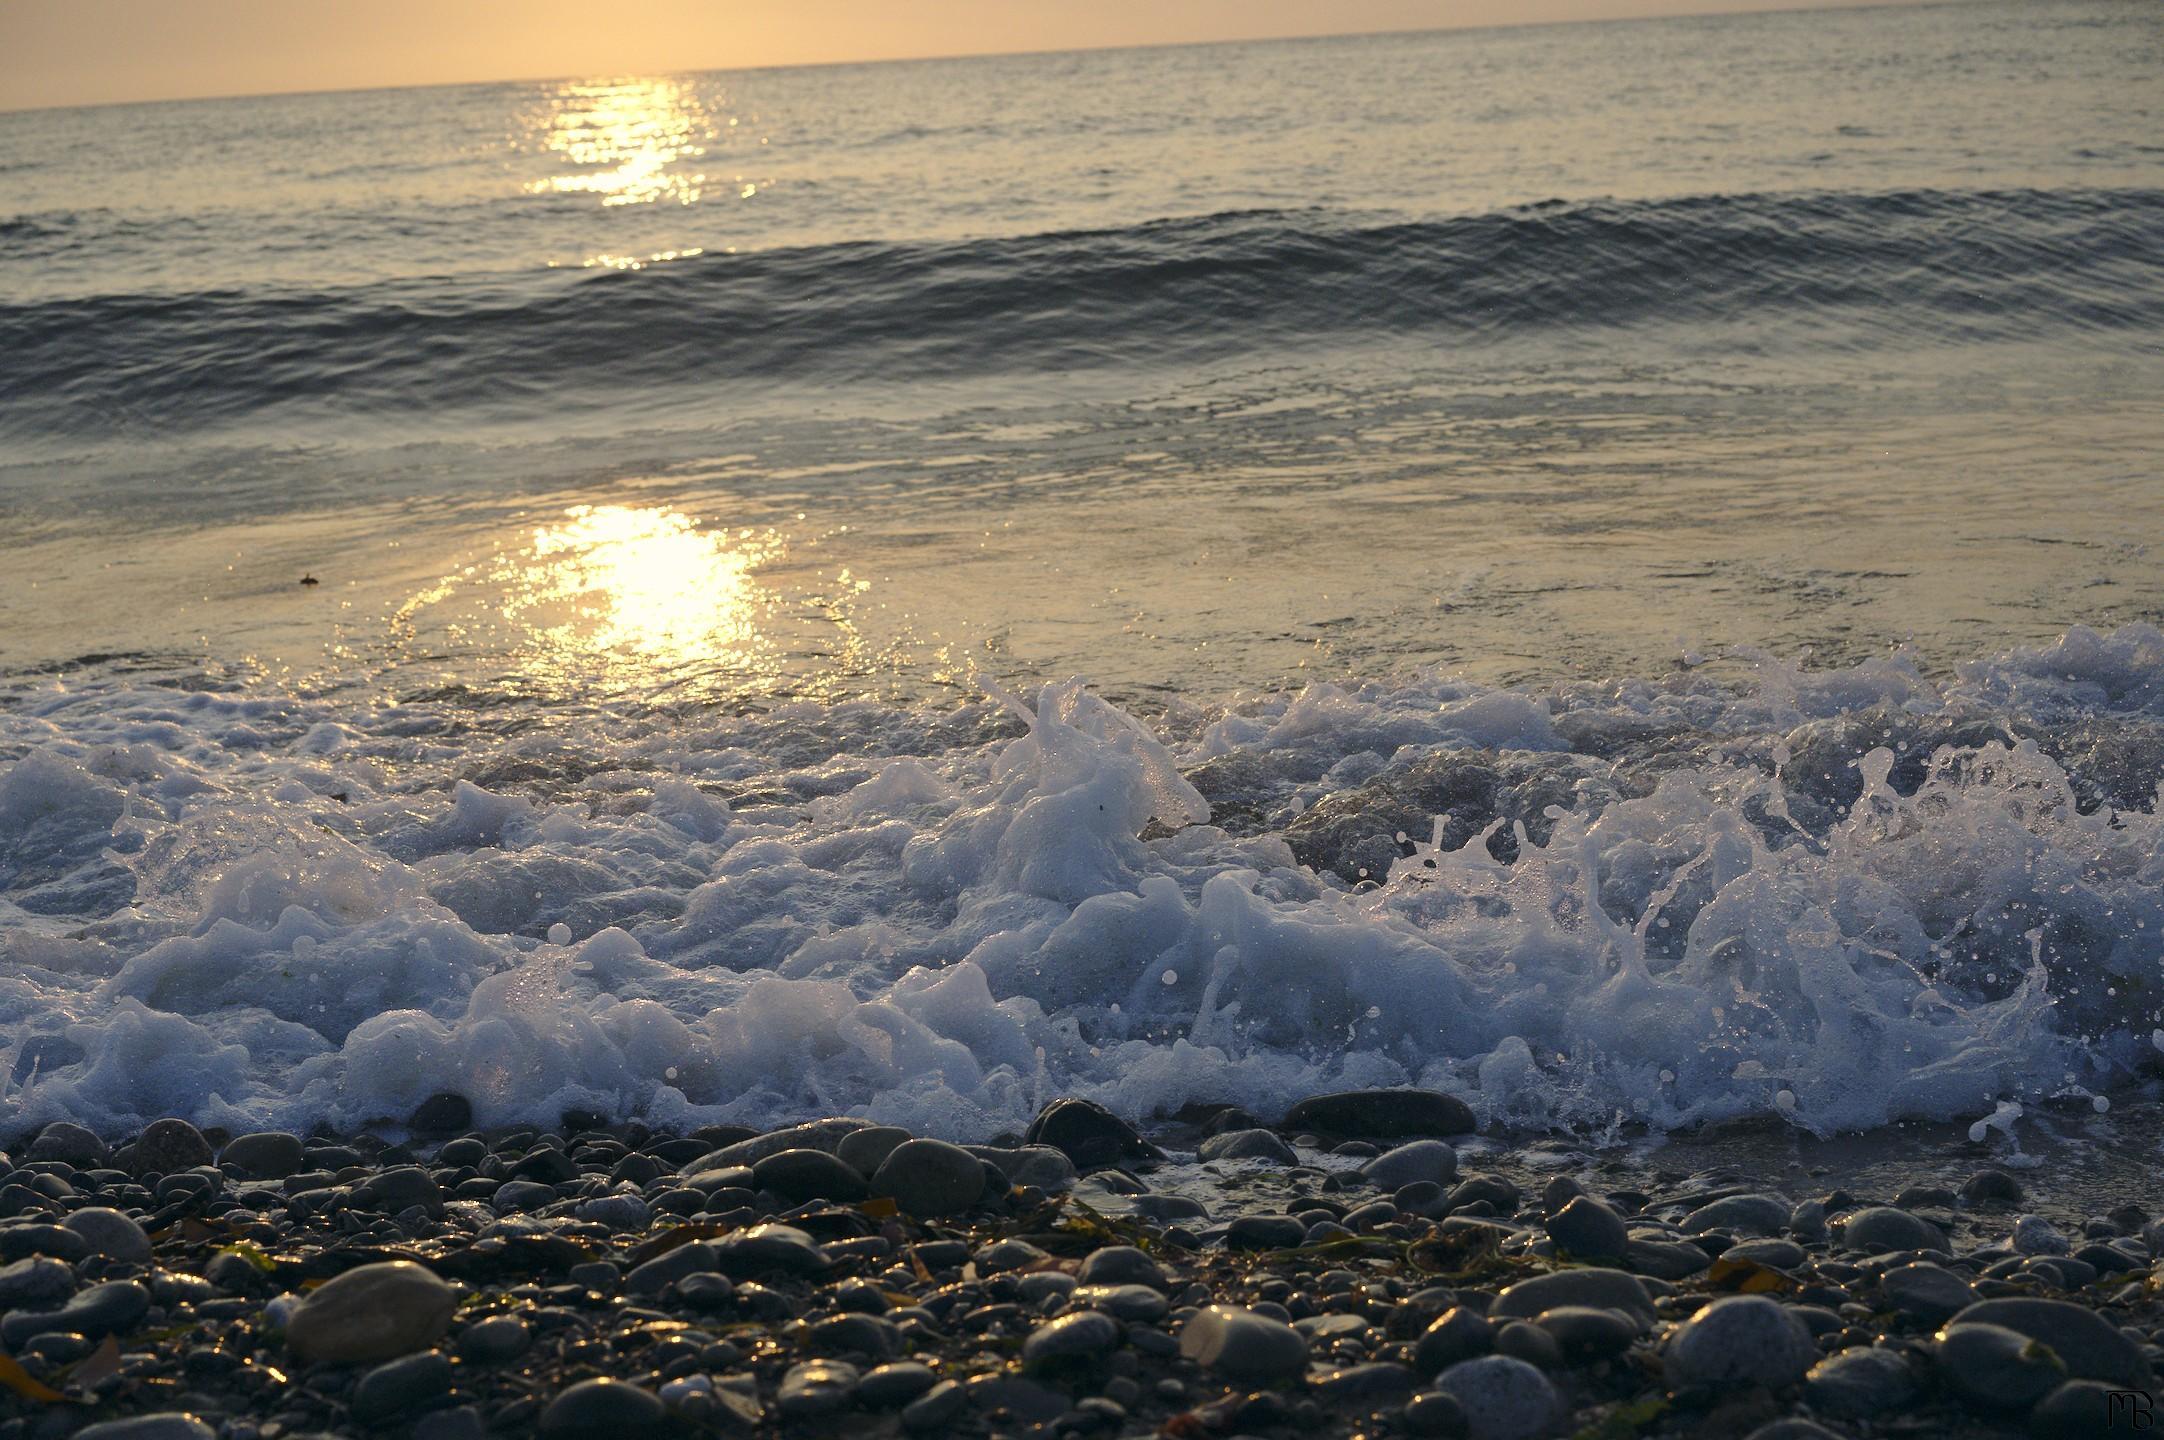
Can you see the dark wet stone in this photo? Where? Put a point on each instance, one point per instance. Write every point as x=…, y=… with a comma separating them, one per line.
x=442, y=1114
x=37, y=1282
x=766, y=1249
x=930, y=1178
x=1589, y=1230
x=1377, y=1383
x=1927, y=1292
x=1124, y=1302
x=373, y=1312
x=1666, y=1259
x=1430, y=1160
x=1382, y=1114
x=2092, y=1347
x=167, y=1147
x=857, y=1334
x=1597, y=1288
x=1434, y=1415
x=1583, y=1333
x=1857, y=1384
x=1079, y=1336
x=1248, y=1145
x=1460, y=1333
x=935, y=1408
x=1742, y=1340
x=265, y=1155
x=1120, y=1265
x=109, y=1309
x=816, y=1388
x=665, y=1269
x=1882, y=1228
x=603, y=1410
x=896, y=1384
x=1996, y=1368
x=71, y=1145
x=798, y=1175
x=165, y=1425
x=108, y=1232
x=400, y=1188
x=1741, y=1215
x=1991, y=1187
x=494, y=1341
x=864, y=1150
x=1264, y=1232
x=17, y=1241
x=402, y=1385
x=1090, y=1135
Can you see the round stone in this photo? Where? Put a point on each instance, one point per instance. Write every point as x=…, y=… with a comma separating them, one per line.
x=70, y=1145
x=1243, y=1345
x=111, y=1234
x=371, y=1313
x=1120, y=1265
x=798, y=1175
x=167, y=1147
x=2092, y=1347
x=1740, y=1214
x=930, y=1178
x=1742, y=1340
x=1410, y=1163
x=1928, y=1292
x=816, y=1388
x=1124, y=1302
x=1459, y=1333
x=402, y=1385
x=1589, y=1230
x=1583, y=1334
x=1248, y=1145
x=602, y=1410
x=265, y=1155
x=2077, y=1410
x=1882, y=1228
x=1434, y=1416
x=893, y=1385
x=495, y=1340
x=1503, y=1398
x=2034, y=1235
x=1991, y=1187
x=864, y=1150
x=1600, y=1289
x=1857, y=1384
x=1081, y=1336
x=1995, y=1368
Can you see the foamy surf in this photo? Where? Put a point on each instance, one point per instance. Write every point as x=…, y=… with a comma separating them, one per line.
x=1836, y=898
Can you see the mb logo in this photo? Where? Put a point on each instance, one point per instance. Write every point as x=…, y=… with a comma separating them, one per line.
x=2128, y=1410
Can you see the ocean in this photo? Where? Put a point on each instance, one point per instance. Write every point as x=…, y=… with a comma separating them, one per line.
x=1608, y=569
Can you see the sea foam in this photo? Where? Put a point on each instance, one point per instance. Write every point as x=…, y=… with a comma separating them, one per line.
x=1836, y=898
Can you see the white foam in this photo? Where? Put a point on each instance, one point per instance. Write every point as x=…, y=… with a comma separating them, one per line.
x=876, y=911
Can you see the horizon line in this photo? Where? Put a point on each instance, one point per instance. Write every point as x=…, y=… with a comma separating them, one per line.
x=938, y=58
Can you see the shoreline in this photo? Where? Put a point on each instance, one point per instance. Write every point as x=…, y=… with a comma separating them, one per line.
x=1367, y=1268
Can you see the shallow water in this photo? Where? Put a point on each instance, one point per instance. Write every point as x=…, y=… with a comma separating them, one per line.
x=1700, y=475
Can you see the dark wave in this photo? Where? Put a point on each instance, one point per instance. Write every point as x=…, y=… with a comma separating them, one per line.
x=1837, y=268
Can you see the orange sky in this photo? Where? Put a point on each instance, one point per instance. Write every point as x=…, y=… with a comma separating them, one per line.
x=76, y=52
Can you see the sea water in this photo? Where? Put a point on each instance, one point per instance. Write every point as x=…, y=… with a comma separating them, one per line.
x=1607, y=569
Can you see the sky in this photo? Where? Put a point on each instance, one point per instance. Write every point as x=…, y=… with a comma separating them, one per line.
x=86, y=52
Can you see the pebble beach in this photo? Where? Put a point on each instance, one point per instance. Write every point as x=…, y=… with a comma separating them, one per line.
x=1349, y=1270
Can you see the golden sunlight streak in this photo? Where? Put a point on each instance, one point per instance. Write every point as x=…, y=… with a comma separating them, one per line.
x=628, y=140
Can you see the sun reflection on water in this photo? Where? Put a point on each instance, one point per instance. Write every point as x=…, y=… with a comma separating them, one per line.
x=629, y=140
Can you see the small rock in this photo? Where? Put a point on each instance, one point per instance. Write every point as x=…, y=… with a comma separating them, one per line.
x=815, y=1388
x=265, y=1155
x=866, y=1335
x=864, y=1150
x=1365, y=1386
x=929, y=1178
x=371, y=1313
x=1081, y=1335
x=1120, y=1265
x=935, y=1408
x=70, y=1145
x=1991, y=1187
x=1124, y=1302
x=665, y=1269
x=1599, y=1289
x=1742, y=1340
x=1926, y=1291
x=1741, y=1215
x=2034, y=1235
x=1418, y=1160
x=1503, y=1399
x=2092, y=1347
x=1583, y=1334
x=1382, y=1114
x=798, y=1175
x=1589, y=1230
x=402, y=1385
x=1248, y=1145
x=1860, y=1383
x=767, y=1248
x=603, y=1410
x=111, y=1234
x=494, y=1341
x=167, y=1147
x=1434, y=1416
x=1996, y=1368
x=896, y=1384
x=1089, y=1135
x=1882, y=1228
x=1264, y=1232
x=1243, y=1345
x=1459, y=1333
x=2077, y=1410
